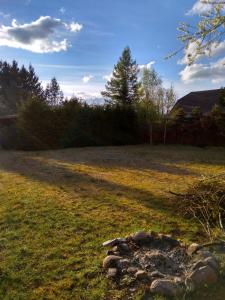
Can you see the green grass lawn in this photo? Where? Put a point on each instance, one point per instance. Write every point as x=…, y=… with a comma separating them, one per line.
x=57, y=207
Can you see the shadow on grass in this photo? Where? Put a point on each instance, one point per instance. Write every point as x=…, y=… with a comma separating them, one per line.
x=101, y=191
x=163, y=159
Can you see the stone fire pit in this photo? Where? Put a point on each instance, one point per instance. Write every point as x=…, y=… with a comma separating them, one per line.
x=160, y=262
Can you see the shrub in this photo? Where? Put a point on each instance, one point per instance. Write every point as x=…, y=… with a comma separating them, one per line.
x=38, y=126
x=8, y=137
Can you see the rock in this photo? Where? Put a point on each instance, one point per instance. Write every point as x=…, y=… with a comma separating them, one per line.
x=210, y=261
x=132, y=270
x=122, y=248
x=166, y=287
x=204, y=254
x=141, y=238
x=141, y=275
x=198, y=265
x=168, y=241
x=124, y=263
x=201, y=277
x=112, y=273
x=178, y=280
x=157, y=274
x=153, y=234
x=111, y=261
x=192, y=248
x=213, y=263
x=113, y=242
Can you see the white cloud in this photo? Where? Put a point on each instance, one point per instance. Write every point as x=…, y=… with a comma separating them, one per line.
x=62, y=10
x=216, y=48
x=75, y=27
x=148, y=66
x=37, y=36
x=107, y=77
x=4, y=15
x=188, y=52
x=214, y=71
x=87, y=78
x=200, y=8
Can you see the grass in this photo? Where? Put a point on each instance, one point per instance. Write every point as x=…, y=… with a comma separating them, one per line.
x=57, y=207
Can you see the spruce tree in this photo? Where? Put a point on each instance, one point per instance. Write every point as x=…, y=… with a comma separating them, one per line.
x=123, y=87
x=30, y=84
x=17, y=85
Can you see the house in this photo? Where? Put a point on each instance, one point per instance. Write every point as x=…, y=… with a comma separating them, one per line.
x=203, y=100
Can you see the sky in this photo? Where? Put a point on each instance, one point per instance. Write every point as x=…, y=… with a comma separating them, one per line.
x=79, y=41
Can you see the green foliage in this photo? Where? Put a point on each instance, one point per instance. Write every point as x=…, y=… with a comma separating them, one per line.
x=38, y=126
x=74, y=123
x=222, y=98
x=150, y=82
x=218, y=116
x=123, y=87
x=17, y=85
x=196, y=112
x=101, y=125
x=8, y=137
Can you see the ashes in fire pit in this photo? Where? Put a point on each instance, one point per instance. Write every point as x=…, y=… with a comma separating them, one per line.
x=160, y=262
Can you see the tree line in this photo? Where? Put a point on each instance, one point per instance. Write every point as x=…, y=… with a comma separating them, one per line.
x=134, y=101
x=18, y=85
x=137, y=109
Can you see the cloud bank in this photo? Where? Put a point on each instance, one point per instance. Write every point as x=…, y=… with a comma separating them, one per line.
x=200, y=8
x=201, y=69
x=38, y=36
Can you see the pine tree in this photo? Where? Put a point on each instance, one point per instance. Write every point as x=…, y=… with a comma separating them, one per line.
x=123, y=87
x=17, y=85
x=53, y=94
x=30, y=84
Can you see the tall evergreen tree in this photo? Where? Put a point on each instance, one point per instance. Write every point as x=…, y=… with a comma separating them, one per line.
x=30, y=84
x=53, y=94
x=17, y=85
x=123, y=87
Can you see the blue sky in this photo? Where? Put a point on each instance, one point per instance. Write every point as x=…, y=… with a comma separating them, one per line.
x=79, y=41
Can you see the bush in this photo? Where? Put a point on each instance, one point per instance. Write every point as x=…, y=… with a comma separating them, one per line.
x=74, y=123
x=8, y=137
x=38, y=126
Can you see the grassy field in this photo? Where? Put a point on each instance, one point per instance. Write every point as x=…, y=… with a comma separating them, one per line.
x=57, y=207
